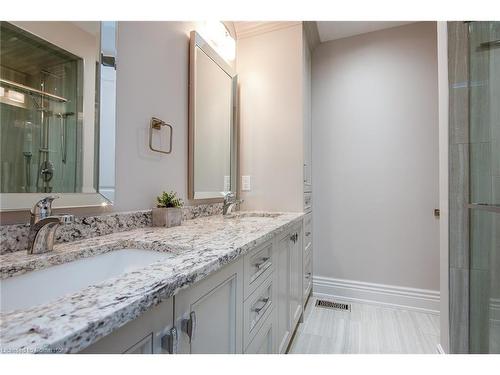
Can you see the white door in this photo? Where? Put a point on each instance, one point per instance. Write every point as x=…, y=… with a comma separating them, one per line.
x=208, y=315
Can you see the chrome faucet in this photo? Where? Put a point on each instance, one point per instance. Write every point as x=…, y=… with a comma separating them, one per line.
x=229, y=202
x=43, y=226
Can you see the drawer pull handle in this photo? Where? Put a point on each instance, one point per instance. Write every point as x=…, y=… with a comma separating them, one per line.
x=262, y=263
x=266, y=301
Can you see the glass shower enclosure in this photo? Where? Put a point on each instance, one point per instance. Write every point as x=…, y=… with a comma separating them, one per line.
x=484, y=186
x=41, y=95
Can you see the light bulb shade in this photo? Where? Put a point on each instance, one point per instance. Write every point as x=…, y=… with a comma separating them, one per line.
x=219, y=38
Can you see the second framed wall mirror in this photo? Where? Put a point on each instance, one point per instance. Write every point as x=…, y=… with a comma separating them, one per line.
x=212, y=125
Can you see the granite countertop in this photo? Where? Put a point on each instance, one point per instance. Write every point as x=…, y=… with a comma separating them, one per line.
x=69, y=324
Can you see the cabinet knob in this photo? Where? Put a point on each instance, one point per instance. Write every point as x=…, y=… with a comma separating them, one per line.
x=169, y=341
x=189, y=326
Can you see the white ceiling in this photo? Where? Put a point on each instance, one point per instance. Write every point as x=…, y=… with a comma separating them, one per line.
x=331, y=30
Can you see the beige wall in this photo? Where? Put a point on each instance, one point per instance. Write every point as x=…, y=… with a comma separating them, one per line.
x=152, y=80
x=375, y=157
x=269, y=68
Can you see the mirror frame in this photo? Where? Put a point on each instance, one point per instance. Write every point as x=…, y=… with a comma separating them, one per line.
x=197, y=41
x=11, y=202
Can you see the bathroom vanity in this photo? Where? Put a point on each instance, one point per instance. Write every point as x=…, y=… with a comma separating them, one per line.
x=251, y=305
x=218, y=284
x=112, y=283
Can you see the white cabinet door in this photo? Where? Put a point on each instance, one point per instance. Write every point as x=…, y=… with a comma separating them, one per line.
x=307, y=256
x=140, y=336
x=283, y=287
x=289, y=277
x=296, y=275
x=208, y=315
x=307, y=286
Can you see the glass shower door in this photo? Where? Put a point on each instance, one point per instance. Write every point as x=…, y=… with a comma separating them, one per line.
x=41, y=96
x=484, y=180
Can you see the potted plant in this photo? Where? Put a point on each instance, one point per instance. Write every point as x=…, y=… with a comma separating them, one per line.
x=168, y=211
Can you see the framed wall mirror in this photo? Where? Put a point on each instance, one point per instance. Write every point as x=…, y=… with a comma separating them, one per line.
x=212, y=126
x=57, y=113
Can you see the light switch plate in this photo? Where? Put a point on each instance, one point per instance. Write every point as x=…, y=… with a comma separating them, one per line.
x=227, y=183
x=245, y=183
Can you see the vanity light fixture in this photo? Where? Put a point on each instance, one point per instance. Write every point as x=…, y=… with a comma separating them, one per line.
x=218, y=36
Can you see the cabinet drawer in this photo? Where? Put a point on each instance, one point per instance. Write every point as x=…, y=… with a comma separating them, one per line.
x=307, y=202
x=307, y=230
x=307, y=275
x=263, y=342
x=258, y=265
x=256, y=309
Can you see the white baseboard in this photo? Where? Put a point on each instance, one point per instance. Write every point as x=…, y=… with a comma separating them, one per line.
x=423, y=300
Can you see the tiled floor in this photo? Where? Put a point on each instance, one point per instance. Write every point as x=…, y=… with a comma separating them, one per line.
x=365, y=329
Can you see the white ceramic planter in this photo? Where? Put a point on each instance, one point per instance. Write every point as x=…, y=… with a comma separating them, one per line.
x=167, y=217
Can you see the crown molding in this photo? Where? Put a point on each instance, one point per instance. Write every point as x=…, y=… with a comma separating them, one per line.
x=247, y=29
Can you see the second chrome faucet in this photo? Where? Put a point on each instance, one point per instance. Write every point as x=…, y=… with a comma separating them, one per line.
x=230, y=201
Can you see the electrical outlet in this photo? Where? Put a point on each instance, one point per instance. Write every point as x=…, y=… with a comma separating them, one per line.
x=245, y=183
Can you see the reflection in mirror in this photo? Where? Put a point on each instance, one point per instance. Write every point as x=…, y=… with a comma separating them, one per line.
x=107, y=118
x=212, y=133
x=57, y=104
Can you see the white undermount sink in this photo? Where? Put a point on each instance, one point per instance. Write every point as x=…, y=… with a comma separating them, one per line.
x=38, y=287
